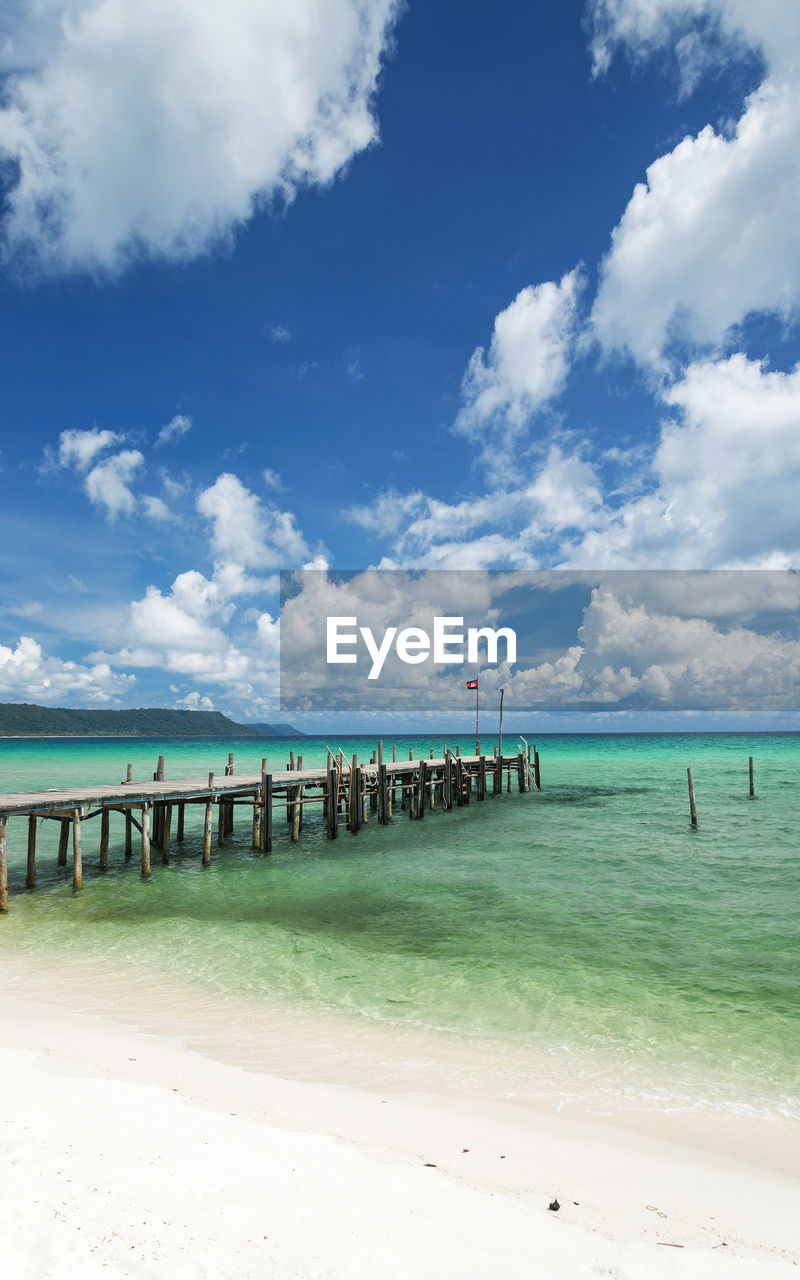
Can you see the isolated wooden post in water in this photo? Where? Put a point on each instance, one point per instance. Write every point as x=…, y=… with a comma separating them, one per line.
x=146, y=840
x=692, y=806
x=3, y=865
x=77, y=851
x=208, y=823
x=30, y=877
x=160, y=769
x=752, y=779
x=129, y=773
x=294, y=809
x=104, y=839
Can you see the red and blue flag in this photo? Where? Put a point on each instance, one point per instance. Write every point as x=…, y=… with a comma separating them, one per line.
x=472, y=684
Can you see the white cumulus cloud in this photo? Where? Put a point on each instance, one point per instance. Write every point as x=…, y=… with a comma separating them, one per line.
x=527, y=362
x=107, y=484
x=711, y=235
x=156, y=128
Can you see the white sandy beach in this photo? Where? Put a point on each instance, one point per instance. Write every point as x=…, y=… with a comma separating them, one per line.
x=125, y=1154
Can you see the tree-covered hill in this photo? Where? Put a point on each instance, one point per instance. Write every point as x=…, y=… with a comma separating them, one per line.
x=23, y=719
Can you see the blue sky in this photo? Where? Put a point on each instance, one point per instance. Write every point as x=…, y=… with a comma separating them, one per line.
x=438, y=285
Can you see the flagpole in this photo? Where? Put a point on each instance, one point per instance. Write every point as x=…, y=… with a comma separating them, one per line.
x=477, y=743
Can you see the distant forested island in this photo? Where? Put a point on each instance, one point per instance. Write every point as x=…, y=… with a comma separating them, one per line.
x=25, y=720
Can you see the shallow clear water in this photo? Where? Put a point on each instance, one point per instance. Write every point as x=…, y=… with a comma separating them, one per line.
x=586, y=933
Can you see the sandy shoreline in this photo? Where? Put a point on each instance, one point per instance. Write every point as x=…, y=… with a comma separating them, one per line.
x=128, y=1154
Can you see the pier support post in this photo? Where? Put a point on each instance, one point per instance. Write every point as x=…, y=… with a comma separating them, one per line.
x=128, y=834
x=447, y=784
x=3, y=864
x=423, y=774
x=63, y=841
x=179, y=832
x=30, y=875
x=145, y=840
x=104, y=818
x=295, y=810
x=752, y=778
x=383, y=795
x=459, y=782
x=536, y=774
x=266, y=811
x=521, y=771
x=77, y=852
x=255, y=842
x=209, y=816
x=332, y=806
x=165, y=835
x=354, y=806
x=482, y=778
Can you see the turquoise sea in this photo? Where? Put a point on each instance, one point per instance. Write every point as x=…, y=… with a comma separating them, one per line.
x=583, y=945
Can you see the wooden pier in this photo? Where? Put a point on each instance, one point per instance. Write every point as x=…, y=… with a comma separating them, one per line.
x=351, y=794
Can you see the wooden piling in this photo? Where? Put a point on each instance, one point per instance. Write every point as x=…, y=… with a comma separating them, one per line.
x=179, y=832
x=129, y=833
x=255, y=841
x=423, y=773
x=752, y=777
x=354, y=798
x=129, y=773
x=222, y=820
x=459, y=781
x=291, y=762
x=521, y=771
x=692, y=805
x=77, y=852
x=332, y=807
x=482, y=778
x=208, y=823
x=146, y=840
x=447, y=782
x=295, y=807
x=3, y=864
x=383, y=795
x=104, y=818
x=30, y=874
x=166, y=833
x=63, y=841
x=160, y=771
x=497, y=775
x=536, y=774
x=266, y=811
